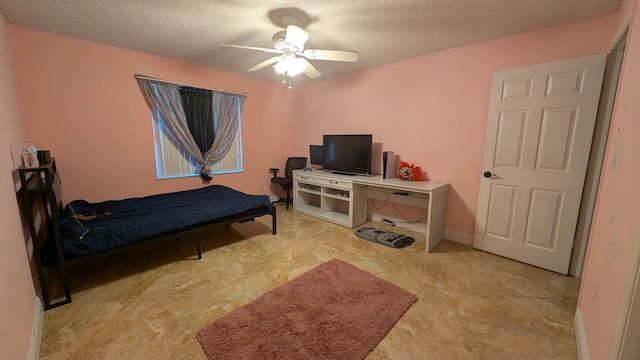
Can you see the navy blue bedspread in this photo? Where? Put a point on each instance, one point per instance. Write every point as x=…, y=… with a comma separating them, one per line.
x=123, y=222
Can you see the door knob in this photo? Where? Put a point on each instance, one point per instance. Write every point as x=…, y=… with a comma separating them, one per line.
x=487, y=174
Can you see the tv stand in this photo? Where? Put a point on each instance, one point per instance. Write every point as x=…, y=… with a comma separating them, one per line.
x=342, y=199
x=342, y=173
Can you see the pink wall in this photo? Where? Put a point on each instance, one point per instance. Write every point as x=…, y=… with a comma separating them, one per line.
x=80, y=101
x=617, y=219
x=17, y=295
x=432, y=110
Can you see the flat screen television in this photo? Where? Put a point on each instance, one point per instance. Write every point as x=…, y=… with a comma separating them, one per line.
x=347, y=154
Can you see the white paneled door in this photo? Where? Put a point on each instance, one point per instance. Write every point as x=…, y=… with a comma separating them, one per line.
x=539, y=130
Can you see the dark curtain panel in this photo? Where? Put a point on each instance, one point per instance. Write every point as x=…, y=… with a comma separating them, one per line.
x=199, y=114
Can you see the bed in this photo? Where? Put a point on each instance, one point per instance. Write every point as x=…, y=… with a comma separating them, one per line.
x=83, y=230
x=112, y=224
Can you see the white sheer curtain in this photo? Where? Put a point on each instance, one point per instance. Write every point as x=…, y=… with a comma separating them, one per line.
x=226, y=111
x=164, y=98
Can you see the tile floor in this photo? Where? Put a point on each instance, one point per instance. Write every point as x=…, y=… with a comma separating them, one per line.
x=472, y=305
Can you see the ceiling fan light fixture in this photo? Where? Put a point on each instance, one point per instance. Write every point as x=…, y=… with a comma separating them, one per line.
x=290, y=65
x=292, y=61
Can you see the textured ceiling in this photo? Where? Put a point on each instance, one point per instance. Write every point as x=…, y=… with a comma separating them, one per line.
x=381, y=31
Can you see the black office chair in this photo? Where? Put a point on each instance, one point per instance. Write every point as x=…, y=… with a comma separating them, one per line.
x=286, y=182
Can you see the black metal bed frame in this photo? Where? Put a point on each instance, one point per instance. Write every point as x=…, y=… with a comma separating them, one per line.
x=41, y=182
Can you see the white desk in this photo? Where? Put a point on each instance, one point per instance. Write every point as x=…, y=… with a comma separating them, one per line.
x=342, y=199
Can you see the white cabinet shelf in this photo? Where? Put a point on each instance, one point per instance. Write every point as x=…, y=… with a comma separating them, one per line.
x=337, y=201
x=342, y=199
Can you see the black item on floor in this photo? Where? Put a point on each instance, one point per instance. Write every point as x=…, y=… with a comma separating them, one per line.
x=387, y=238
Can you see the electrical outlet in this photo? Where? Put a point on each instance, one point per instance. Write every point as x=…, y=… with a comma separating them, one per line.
x=616, y=159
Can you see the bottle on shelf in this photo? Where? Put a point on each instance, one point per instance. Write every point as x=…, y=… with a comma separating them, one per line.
x=30, y=155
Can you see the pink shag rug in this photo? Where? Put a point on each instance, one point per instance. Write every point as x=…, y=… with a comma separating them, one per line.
x=333, y=311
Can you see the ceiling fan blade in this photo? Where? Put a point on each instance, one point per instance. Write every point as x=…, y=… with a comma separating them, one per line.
x=311, y=71
x=296, y=37
x=331, y=55
x=250, y=48
x=264, y=64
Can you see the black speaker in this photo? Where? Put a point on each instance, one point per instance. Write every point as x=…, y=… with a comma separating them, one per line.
x=388, y=165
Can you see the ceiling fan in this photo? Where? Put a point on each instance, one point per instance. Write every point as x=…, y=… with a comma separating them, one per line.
x=293, y=56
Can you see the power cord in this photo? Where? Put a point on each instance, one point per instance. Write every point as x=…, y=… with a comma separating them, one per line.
x=382, y=220
x=405, y=219
x=64, y=200
x=388, y=222
x=392, y=223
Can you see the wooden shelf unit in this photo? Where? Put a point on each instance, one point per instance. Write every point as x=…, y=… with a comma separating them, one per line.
x=38, y=187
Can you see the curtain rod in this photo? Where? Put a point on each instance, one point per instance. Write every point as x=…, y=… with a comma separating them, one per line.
x=175, y=83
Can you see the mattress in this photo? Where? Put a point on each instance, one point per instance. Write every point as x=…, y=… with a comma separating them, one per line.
x=116, y=223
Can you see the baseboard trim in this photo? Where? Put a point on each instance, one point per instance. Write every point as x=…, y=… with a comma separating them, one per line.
x=458, y=237
x=36, y=331
x=581, y=339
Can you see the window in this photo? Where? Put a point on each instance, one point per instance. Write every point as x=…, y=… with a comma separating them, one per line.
x=172, y=161
x=196, y=131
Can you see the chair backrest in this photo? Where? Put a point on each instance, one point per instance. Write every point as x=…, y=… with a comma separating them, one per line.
x=294, y=163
